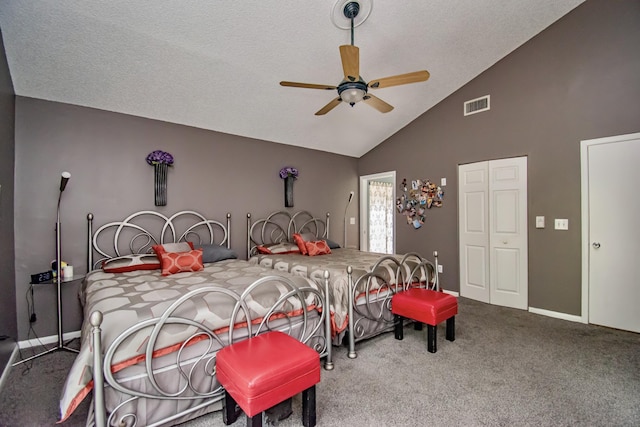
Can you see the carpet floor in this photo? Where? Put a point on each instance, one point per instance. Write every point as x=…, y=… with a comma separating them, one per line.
x=506, y=367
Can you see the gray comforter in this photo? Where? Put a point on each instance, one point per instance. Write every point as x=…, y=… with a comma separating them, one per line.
x=126, y=299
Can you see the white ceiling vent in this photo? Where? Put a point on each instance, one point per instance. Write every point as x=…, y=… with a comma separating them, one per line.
x=477, y=105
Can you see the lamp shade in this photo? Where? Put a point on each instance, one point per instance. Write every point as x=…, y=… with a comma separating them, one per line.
x=64, y=179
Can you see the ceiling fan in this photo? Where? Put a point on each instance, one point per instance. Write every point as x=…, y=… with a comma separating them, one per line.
x=353, y=88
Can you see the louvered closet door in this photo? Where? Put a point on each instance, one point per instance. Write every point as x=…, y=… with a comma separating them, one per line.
x=492, y=202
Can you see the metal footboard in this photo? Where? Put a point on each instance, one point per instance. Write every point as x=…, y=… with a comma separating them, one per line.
x=302, y=312
x=370, y=295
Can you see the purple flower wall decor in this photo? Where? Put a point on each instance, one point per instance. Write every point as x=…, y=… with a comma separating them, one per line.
x=288, y=171
x=160, y=157
x=289, y=174
x=160, y=160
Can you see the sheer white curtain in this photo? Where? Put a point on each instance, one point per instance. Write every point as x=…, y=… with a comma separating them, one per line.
x=380, y=217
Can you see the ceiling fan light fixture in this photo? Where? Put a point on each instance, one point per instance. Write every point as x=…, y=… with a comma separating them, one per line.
x=352, y=92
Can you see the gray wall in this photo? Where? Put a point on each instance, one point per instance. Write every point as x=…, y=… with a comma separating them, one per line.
x=105, y=153
x=579, y=79
x=7, y=283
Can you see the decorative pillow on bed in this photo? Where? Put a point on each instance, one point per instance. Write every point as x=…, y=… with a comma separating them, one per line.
x=134, y=262
x=214, y=253
x=300, y=241
x=178, y=262
x=172, y=247
x=311, y=237
x=278, y=248
x=317, y=247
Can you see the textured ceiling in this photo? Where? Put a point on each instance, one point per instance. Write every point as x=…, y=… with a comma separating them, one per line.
x=217, y=64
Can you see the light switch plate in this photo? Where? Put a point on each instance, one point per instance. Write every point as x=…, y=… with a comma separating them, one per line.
x=443, y=182
x=539, y=222
x=352, y=220
x=561, y=224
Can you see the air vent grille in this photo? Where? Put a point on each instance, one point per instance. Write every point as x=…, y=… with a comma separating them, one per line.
x=477, y=105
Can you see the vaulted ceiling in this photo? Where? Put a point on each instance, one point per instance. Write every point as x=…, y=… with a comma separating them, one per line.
x=217, y=64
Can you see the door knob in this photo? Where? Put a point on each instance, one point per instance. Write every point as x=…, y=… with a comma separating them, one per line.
x=596, y=245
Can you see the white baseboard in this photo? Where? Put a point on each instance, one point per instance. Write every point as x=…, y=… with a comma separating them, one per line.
x=454, y=293
x=52, y=339
x=557, y=315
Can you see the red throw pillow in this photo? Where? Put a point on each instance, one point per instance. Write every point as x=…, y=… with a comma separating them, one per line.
x=177, y=262
x=301, y=243
x=317, y=247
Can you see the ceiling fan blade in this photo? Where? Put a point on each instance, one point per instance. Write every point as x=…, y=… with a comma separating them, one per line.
x=400, y=79
x=350, y=56
x=377, y=103
x=307, y=85
x=330, y=106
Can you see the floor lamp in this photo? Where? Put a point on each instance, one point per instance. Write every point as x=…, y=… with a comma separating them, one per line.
x=58, y=280
x=345, y=218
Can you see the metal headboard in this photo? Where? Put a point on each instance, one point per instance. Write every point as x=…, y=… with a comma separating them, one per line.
x=138, y=232
x=280, y=226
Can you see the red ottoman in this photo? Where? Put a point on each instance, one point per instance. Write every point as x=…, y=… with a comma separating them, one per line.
x=262, y=371
x=425, y=306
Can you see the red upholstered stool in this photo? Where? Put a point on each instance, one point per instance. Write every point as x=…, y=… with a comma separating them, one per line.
x=260, y=372
x=425, y=306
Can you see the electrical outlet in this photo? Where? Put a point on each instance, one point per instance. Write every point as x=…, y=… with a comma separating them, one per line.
x=539, y=222
x=33, y=318
x=440, y=268
x=443, y=182
x=561, y=224
x=352, y=220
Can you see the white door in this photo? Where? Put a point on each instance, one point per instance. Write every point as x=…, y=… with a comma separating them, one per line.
x=492, y=202
x=473, y=223
x=508, y=232
x=614, y=232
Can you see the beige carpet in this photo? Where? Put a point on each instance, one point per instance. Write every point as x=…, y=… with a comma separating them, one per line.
x=507, y=367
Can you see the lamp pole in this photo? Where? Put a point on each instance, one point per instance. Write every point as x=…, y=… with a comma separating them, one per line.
x=60, y=346
x=345, y=218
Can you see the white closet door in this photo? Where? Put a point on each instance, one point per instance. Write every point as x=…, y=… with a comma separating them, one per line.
x=508, y=232
x=492, y=221
x=473, y=225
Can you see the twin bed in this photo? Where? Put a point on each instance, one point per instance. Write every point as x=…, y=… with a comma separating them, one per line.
x=153, y=324
x=361, y=284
